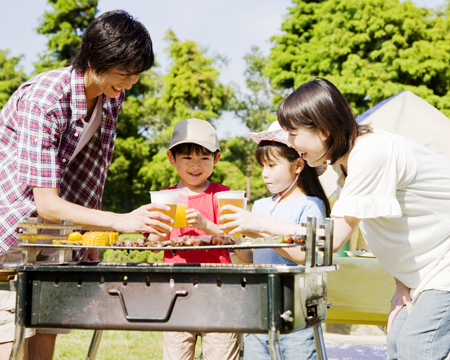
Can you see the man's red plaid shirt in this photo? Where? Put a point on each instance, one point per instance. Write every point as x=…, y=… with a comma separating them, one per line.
x=40, y=127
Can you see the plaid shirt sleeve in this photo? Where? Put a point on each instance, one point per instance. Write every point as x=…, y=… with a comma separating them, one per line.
x=37, y=150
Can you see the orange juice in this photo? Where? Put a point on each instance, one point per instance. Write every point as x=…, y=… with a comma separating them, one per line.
x=169, y=198
x=235, y=202
x=180, y=217
x=171, y=213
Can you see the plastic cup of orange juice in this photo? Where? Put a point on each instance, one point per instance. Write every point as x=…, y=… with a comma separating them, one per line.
x=182, y=206
x=235, y=197
x=169, y=198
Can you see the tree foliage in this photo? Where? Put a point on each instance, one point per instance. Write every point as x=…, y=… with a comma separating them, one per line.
x=370, y=49
x=237, y=157
x=191, y=89
x=255, y=106
x=133, y=150
x=64, y=28
x=257, y=111
x=11, y=77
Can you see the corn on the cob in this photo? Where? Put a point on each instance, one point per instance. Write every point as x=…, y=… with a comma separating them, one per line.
x=113, y=237
x=95, y=238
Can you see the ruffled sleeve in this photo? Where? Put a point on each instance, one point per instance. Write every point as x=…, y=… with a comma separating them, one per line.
x=375, y=166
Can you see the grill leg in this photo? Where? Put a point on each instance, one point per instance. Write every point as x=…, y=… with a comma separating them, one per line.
x=95, y=343
x=274, y=297
x=320, y=343
x=19, y=340
x=241, y=346
x=274, y=345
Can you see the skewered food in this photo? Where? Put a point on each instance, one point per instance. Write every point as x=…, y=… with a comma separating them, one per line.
x=297, y=239
x=203, y=240
x=99, y=238
x=66, y=242
x=186, y=240
x=137, y=243
x=280, y=239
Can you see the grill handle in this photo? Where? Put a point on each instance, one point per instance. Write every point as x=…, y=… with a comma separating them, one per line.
x=141, y=319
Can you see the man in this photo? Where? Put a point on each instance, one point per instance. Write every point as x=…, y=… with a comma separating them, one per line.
x=57, y=135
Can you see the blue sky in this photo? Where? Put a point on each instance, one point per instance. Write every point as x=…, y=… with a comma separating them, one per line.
x=228, y=27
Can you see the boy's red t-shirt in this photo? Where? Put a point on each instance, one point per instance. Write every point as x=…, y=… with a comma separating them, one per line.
x=206, y=203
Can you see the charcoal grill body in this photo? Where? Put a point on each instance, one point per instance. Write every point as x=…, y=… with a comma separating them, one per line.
x=269, y=299
x=206, y=299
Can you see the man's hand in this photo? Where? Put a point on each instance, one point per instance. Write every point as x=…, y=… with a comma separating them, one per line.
x=145, y=219
x=401, y=298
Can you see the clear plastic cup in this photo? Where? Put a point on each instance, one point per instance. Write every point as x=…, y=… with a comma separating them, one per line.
x=182, y=206
x=236, y=198
x=166, y=197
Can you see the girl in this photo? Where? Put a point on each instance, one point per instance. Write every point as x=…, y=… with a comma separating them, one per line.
x=298, y=194
x=397, y=191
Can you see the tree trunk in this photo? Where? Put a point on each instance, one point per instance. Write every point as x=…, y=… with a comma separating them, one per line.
x=249, y=173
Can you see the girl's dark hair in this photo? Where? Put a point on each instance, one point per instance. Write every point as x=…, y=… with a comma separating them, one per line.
x=191, y=148
x=115, y=39
x=308, y=181
x=319, y=105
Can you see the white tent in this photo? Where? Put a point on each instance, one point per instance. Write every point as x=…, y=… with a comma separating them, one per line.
x=408, y=115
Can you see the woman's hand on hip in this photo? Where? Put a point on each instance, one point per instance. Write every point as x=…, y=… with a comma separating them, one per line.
x=401, y=298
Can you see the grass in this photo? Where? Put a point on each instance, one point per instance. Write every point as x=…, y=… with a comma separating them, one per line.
x=114, y=345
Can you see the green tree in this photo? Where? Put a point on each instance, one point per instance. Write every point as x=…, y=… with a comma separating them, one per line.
x=370, y=49
x=233, y=168
x=124, y=191
x=191, y=89
x=257, y=111
x=64, y=28
x=11, y=77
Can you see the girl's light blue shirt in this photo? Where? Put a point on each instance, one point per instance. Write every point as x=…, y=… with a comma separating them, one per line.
x=296, y=212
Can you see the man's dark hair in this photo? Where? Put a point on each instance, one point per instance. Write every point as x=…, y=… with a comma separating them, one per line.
x=115, y=39
x=192, y=148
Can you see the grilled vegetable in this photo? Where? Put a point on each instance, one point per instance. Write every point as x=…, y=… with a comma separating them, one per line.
x=269, y=240
x=113, y=237
x=75, y=236
x=95, y=238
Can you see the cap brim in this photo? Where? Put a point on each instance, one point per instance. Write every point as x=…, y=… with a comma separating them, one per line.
x=205, y=144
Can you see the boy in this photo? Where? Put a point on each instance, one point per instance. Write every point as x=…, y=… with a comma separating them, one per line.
x=194, y=150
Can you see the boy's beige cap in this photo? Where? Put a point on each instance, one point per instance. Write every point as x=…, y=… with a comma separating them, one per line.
x=195, y=131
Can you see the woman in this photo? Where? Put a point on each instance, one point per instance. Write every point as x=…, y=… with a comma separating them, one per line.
x=397, y=191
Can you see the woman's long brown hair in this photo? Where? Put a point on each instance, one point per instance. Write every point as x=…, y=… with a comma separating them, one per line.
x=319, y=105
x=308, y=181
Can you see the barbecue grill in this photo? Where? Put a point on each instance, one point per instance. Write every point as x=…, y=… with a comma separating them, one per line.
x=274, y=299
